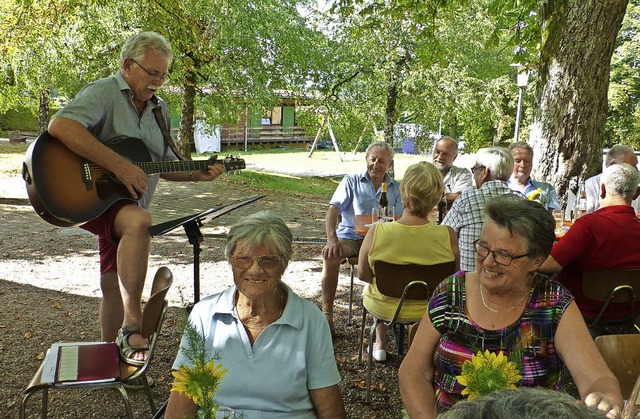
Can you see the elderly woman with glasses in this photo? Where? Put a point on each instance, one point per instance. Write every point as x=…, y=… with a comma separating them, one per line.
x=506, y=308
x=275, y=346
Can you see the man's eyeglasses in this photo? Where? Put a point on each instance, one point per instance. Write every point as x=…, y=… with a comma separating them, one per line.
x=474, y=168
x=154, y=75
x=267, y=262
x=501, y=258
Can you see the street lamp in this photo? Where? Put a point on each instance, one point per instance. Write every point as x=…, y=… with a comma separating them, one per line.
x=521, y=81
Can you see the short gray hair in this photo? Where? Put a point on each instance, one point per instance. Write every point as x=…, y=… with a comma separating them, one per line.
x=137, y=45
x=522, y=402
x=621, y=179
x=524, y=218
x=381, y=145
x=260, y=229
x=497, y=160
x=616, y=154
x=520, y=144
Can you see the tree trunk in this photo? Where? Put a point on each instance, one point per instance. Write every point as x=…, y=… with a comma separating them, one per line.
x=391, y=113
x=43, y=111
x=571, y=98
x=187, y=119
x=391, y=117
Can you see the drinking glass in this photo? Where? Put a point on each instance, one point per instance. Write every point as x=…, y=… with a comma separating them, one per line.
x=558, y=215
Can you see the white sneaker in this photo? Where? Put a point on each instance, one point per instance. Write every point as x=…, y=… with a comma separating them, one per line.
x=379, y=355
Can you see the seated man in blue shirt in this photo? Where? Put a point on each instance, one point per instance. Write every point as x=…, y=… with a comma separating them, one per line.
x=356, y=194
x=521, y=180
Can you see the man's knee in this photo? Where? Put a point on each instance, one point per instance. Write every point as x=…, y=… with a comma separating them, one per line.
x=133, y=220
x=109, y=283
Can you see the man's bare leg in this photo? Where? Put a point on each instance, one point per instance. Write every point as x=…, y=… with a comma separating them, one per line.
x=111, y=311
x=330, y=274
x=132, y=227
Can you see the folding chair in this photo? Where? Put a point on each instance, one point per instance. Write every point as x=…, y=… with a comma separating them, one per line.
x=622, y=355
x=353, y=262
x=616, y=286
x=152, y=318
x=404, y=282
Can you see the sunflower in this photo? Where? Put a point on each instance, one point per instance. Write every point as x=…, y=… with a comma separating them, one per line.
x=486, y=373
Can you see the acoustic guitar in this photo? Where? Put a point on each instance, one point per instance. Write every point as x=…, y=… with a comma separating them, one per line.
x=67, y=190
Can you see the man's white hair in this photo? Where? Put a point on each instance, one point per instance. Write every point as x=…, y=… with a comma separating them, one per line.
x=622, y=180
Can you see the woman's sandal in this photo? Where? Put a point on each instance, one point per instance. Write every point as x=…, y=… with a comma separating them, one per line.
x=127, y=350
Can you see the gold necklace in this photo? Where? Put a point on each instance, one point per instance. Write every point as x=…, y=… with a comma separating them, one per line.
x=484, y=303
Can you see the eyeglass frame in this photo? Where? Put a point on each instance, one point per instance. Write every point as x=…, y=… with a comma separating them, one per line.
x=477, y=243
x=154, y=76
x=474, y=168
x=253, y=260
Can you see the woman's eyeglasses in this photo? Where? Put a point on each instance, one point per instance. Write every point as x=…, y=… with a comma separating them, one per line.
x=267, y=262
x=501, y=258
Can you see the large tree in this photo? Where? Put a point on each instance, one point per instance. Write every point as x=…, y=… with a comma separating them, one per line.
x=231, y=55
x=578, y=38
x=55, y=47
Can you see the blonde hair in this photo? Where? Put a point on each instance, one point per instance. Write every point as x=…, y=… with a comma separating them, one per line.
x=421, y=188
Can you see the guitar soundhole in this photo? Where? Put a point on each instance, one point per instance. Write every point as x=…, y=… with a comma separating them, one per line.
x=106, y=187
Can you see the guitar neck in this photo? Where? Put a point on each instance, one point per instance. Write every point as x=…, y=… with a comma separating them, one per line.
x=157, y=167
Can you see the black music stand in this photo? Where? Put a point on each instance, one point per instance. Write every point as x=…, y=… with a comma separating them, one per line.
x=191, y=225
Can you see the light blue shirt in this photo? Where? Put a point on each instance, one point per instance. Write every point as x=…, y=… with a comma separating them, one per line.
x=548, y=196
x=105, y=108
x=272, y=379
x=356, y=195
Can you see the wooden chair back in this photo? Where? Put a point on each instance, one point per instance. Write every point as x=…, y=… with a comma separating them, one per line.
x=622, y=355
x=391, y=278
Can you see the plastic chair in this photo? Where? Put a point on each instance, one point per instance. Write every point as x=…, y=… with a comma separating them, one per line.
x=612, y=286
x=152, y=318
x=622, y=355
x=412, y=282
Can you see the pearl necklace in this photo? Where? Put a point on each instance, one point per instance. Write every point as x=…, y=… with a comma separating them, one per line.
x=484, y=303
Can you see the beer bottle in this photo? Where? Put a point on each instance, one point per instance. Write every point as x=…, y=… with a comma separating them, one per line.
x=383, y=203
x=442, y=209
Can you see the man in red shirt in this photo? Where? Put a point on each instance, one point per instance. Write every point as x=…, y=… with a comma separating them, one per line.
x=608, y=238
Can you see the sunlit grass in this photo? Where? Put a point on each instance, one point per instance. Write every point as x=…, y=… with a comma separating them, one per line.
x=294, y=185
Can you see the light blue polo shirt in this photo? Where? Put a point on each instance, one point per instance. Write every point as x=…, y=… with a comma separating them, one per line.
x=271, y=379
x=356, y=195
x=549, y=194
x=105, y=107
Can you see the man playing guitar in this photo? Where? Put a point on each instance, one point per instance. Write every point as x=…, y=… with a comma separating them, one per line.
x=104, y=112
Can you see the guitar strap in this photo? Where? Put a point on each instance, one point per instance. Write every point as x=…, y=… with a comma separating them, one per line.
x=157, y=111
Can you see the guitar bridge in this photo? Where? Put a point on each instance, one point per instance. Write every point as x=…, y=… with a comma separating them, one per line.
x=86, y=176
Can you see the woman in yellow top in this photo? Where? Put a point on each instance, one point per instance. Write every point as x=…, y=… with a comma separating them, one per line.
x=411, y=239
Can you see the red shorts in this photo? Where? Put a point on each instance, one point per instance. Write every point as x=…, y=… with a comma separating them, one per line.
x=102, y=227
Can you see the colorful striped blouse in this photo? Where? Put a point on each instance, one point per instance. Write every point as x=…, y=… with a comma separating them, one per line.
x=529, y=342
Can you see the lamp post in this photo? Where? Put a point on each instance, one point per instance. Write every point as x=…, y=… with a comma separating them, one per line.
x=521, y=81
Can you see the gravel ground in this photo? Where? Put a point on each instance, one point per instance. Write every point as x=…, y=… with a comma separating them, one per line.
x=49, y=289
